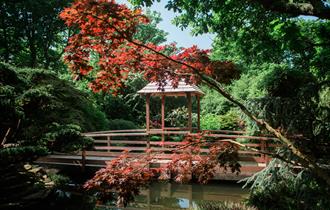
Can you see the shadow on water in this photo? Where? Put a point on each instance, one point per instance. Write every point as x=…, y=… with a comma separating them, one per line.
x=171, y=196
x=162, y=196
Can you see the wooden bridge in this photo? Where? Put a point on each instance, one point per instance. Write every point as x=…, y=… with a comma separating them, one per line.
x=110, y=144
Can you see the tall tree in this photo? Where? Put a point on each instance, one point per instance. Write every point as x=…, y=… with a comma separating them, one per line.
x=31, y=32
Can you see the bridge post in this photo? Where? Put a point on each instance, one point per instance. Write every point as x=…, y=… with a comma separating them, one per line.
x=83, y=160
x=108, y=142
x=263, y=148
x=266, y=149
x=198, y=114
x=189, y=112
x=163, y=119
x=148, y=141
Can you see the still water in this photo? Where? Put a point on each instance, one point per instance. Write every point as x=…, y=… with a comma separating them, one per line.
x=171, y=196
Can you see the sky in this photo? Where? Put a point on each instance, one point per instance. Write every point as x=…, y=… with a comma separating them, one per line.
x=182, y=38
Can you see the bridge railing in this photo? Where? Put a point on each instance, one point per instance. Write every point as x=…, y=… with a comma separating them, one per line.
x=136, y=142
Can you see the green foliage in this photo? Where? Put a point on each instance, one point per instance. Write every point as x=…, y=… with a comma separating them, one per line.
x=213, y=103
x=283, y=188
x=17, y=154
x=66, y=138
x=179, y=117
x=155, y=138
x=31, y=34
x=121, y=124
x=285, y=60
x=38, y=100
x=285, y=82
x=59, y=180
x=150, y=33
x=129, y=105
x=228, y=121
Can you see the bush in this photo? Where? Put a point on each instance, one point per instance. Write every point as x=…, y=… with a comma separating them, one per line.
x=283, y=188
x=21, y=153
x=35, y=99
x=229, y=121
x=179, y=117
x=67, y=138
x=121, y=124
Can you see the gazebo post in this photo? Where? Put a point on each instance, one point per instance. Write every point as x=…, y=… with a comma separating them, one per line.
x=198, y=113
x=148, y=112
x=163, y=118
x=182, y=89
x=189, y=112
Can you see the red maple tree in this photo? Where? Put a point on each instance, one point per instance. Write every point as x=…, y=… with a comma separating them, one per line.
x=106, y=29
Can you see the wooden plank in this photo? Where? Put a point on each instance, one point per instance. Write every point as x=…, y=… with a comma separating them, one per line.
x=251, y=168
x=122, y=141
x=118, y=131
x=129, y=142
x=247, y=152
x=115, y=134
x=120, y=148
x=158, y=131
x=240, y=136
x=251, y=145
x=226, y=131
x=109, y=154
x=167, y=143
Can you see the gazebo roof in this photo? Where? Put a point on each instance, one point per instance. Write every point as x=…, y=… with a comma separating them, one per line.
x=182, y=89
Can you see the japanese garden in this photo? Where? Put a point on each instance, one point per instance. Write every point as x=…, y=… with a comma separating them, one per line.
x=101, y=108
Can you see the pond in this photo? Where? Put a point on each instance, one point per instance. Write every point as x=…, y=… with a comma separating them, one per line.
x=171, y=196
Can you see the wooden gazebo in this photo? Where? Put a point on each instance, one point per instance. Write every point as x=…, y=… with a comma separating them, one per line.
x=183, y=89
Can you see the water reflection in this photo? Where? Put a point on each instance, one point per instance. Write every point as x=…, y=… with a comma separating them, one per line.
x=171, y=196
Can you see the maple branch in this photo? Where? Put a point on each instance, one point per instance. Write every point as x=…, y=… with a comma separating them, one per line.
x=274, y=155
x=305, y=159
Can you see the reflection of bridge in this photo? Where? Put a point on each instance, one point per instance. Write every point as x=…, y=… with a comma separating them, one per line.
x=111, y=144
x=171, y=196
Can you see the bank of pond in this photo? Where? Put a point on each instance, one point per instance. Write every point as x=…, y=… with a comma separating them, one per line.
x=67, y=192
x=164, y=195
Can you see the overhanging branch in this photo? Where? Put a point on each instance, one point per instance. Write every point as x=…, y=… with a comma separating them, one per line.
x=307, y=160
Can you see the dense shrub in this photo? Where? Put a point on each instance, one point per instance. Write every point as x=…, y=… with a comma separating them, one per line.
x=214, y=103
x=34, y=99
x=179, y=117
x=288, y=189
x=16, y=154
x=229, y=121
x=66, y=138
x=120, y=124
